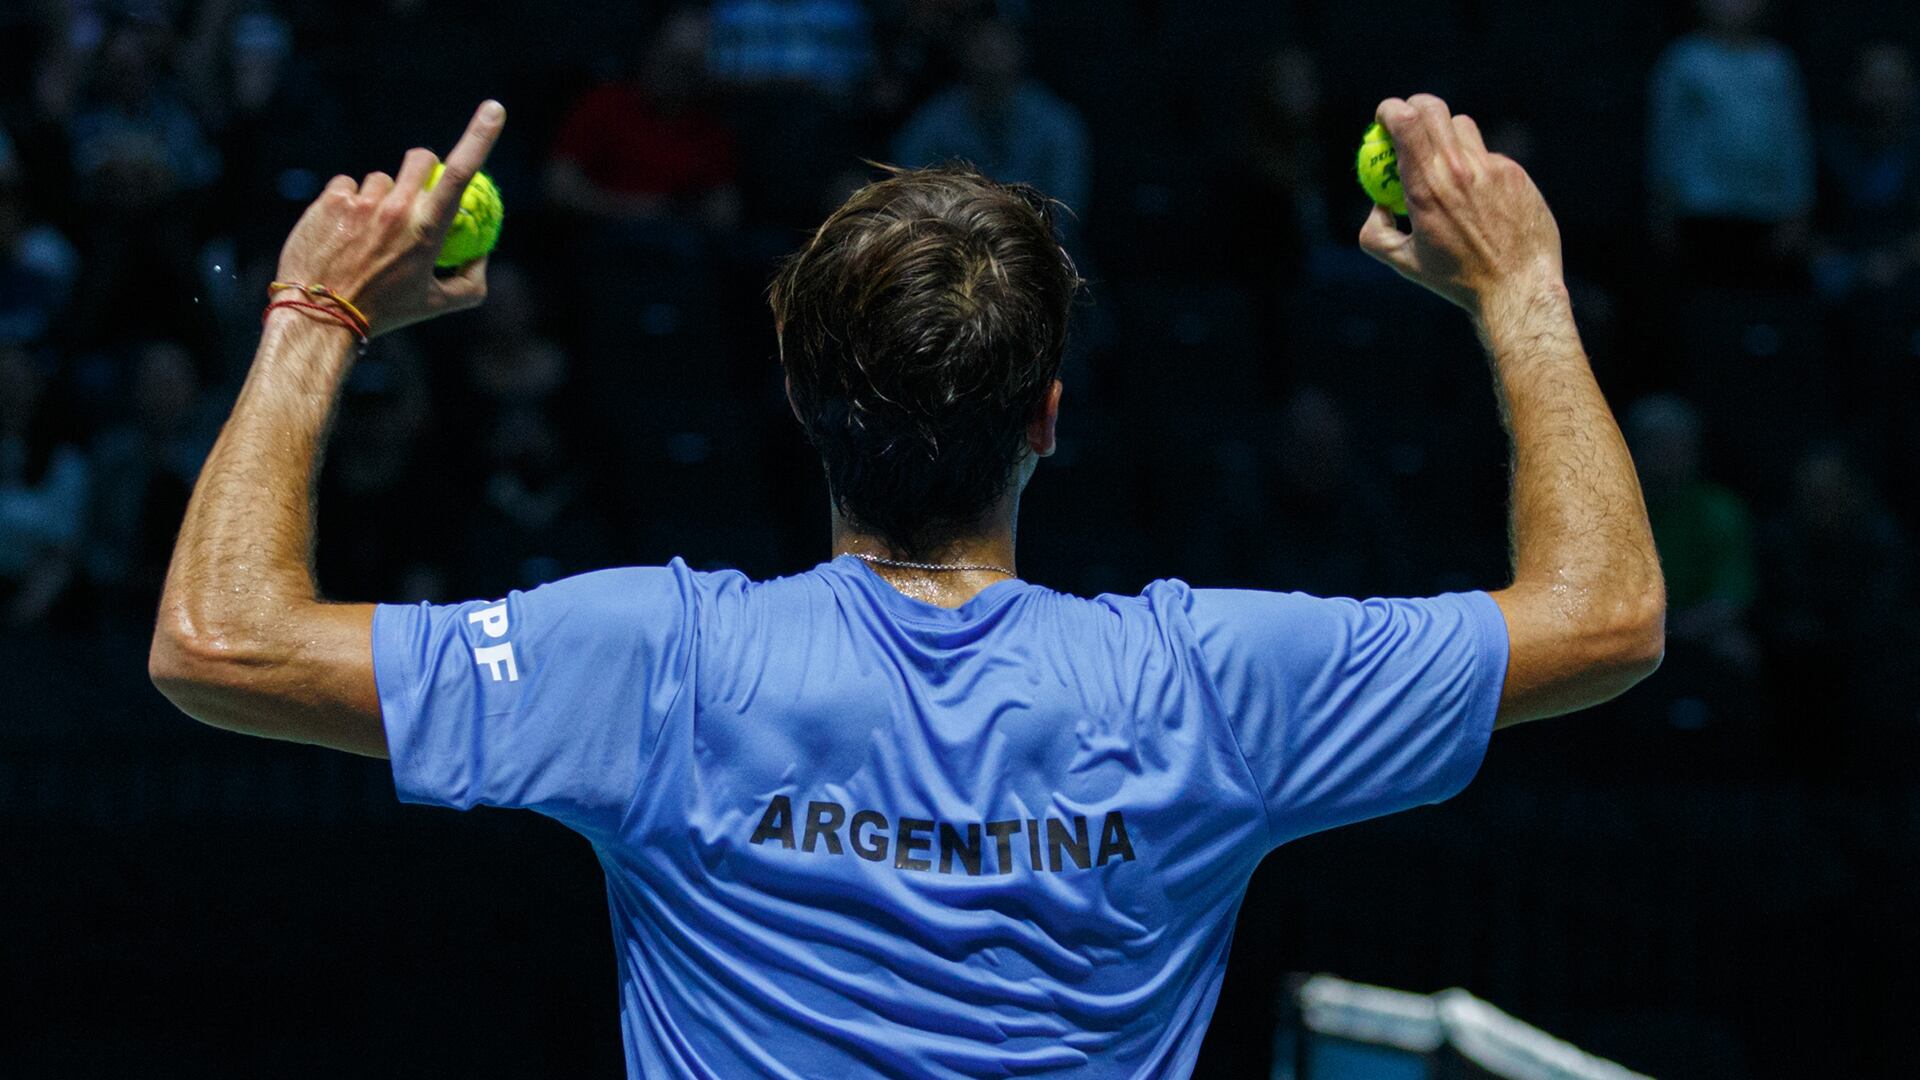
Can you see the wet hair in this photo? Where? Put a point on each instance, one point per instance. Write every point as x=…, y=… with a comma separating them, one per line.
x=921, y=329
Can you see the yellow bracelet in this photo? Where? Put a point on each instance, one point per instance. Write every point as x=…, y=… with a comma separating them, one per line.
x=326, y=294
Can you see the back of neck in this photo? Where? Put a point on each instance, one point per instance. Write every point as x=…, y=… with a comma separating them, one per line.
x=947, y=577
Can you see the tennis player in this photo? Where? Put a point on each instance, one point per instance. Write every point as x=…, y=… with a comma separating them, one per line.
x=904, y=814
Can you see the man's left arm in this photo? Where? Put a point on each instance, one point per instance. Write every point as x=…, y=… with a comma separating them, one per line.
x=243, y=640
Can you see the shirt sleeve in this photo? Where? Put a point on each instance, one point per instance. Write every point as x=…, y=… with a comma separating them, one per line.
x=549, y=700
x=1347, y=710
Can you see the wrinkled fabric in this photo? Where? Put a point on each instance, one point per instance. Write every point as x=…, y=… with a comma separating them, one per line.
x=848, y=834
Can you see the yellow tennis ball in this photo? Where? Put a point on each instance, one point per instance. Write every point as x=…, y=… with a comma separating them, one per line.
x=1379, y=169
x=476, y=228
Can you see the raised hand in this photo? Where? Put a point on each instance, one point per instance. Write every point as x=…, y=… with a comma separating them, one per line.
x=374, y=242
x=1481, y=229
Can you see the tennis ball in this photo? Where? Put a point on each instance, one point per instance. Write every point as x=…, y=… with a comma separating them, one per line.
x=1379, y=169
x=476, y=228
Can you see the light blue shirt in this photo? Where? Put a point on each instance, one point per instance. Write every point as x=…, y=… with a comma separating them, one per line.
x=847, y=834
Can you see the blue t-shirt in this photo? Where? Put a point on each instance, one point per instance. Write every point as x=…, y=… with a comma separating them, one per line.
x=848, y=834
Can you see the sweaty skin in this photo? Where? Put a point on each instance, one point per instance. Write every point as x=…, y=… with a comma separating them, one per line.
x=243, y=640
x=1587, y=608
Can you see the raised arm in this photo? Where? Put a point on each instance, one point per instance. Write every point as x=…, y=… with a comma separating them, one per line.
x=243, y=640
x=1586, y=611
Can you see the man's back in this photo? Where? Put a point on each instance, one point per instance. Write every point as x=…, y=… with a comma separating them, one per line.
x=665, y=714
x=848, y=833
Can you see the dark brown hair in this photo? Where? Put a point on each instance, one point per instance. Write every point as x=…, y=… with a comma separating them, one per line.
x=921, y=328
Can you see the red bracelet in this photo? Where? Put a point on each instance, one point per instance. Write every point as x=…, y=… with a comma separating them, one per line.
x=335, y=314
x=321, y=292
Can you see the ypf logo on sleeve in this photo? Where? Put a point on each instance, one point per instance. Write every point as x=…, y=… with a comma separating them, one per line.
x=496, y=658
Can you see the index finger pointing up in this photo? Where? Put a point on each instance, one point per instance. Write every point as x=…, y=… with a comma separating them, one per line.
x=466, y=158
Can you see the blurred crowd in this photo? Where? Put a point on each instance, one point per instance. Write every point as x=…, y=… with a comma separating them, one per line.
x=1250, y=401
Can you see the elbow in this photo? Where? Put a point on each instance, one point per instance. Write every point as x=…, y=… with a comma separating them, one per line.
x=178, y=666
x=1636, y=638
x=1649, y=650
x=194, y=671
x=1581, y=655
x=1621, y=642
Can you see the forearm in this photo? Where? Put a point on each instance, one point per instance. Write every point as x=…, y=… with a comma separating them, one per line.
x=1583, y=552
x=1585, y=611
x=241, y=622
x=243, y=640
x=245, y=550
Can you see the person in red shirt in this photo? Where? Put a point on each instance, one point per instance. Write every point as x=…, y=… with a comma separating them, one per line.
x=648, y=148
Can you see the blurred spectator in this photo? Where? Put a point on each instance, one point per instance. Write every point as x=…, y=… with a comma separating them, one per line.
x=1869, y=222
x=1704, y=532
x=1284, y=200
x=534, y=515
x=37, y=265
x=792, y=71
x=538, y=517
x=511, y=362
x=9, y=157
x=649, y=148
x=821, y=45
x=406, y=69
x=1730, y=150
x=1301, y=511
x=631, y=410
x=139, y=158
x=136, y=143
x=1838, y=587
x=273, y=119
x=391, y=493
x=914, y=56
x=1839, y=564
x=1008, y=125
x=144, y=472
x=43, y=493
x=63, y=55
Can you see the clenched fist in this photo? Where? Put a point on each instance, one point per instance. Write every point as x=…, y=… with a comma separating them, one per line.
x=1481, y=230
x=374, y=242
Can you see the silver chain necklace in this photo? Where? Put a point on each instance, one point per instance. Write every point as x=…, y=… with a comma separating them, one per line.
x=905, y=565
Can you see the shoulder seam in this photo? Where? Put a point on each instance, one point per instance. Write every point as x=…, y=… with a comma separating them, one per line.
x=1219, y=708
x=659, y=725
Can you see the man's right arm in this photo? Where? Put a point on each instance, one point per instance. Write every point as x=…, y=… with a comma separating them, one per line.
x=1586, y=610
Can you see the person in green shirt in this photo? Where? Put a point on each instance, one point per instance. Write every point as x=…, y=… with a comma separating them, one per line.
x=1704, y=531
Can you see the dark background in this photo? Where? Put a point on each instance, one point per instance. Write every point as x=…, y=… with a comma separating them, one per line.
x=1714, y=876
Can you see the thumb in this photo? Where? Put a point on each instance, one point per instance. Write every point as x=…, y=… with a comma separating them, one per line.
x=1381, y=238
x=466, y=288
